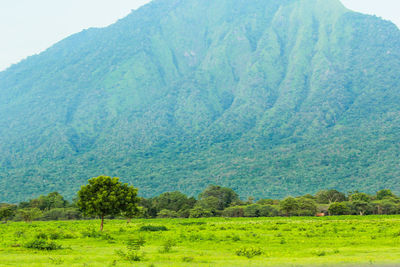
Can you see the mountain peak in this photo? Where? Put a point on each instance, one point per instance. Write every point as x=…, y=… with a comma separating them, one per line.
x=268, y=97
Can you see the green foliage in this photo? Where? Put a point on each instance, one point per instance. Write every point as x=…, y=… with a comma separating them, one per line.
x=249, y=252
x=360, y=197
x=167, y=245
x=132, y=253
x=199, y=212
x=174, y=201
x=153, y=228
x=42, y=244
x=107, y=196
x=306, y=241
x=217, y=197
x=289, y=206
x=307, y=207
x=7, y=212
x=235, y=211
x=338, y=208
x=171, y=98
x=167, y=214
x=329, y=196
x=384, y=193
x=28, y=215
x=51, y=201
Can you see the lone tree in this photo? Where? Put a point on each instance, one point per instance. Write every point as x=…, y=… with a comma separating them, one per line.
x=107, y=196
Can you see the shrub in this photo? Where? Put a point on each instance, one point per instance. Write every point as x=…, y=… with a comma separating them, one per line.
x=320, y=253
x=187, y=259
x=91, y=233
x=153, y=228
x=133, y=246
x=55, y=235
x=249, y=252
x=167, y=246
x=192, y=223
x=43, y=244
x=41, y=236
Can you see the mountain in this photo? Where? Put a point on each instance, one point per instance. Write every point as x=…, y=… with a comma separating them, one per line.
x=268, y=97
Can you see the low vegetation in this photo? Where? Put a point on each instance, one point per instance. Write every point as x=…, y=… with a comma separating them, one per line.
x=279, y=241
x=173, y=229
x=106, y=197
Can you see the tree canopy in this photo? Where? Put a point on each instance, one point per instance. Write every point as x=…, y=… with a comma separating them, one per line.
x=107, y=196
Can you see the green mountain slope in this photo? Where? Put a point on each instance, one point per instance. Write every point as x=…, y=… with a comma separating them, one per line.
x=269, y=97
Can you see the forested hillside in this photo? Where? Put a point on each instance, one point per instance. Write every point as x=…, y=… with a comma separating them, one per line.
x=268, y=97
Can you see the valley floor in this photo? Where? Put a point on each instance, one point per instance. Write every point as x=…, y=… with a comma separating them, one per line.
x=297, y=241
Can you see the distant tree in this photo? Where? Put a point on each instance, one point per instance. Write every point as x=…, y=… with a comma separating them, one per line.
x=267, y=202
x=329, y=196
x=167, y=214
x=174, y=201
x=252, y=210
x=107, y=196
x=210, y=203
x=386, y=206
x=29, y=214
x=147, y=208
x=268, y=211
x=199, y=212
x=384, y=193
x=234, y=211
x=360, y=197
x=225, y=195
x=309, y=196
x=7, y=212
x=289, y=206
x=338, y=208
x=361, y=207
x=250, y=200
x=51, y=201
x=306, y=207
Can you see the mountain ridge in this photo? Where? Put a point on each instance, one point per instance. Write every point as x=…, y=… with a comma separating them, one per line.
x=185, y=99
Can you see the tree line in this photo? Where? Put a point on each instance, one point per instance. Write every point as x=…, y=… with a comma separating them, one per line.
x=106, y=197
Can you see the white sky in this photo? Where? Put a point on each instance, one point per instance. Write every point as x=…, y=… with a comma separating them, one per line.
x=28, y=27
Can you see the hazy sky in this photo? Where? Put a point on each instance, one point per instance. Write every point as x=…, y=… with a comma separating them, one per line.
x=28, y=27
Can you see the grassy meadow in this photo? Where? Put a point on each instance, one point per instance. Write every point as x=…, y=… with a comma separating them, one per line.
x=295, y=241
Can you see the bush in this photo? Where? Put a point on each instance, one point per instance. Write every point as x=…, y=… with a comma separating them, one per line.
x=43, y=244
x=187, y=259
x=55, y=235
x=41, y=236
x=91, y=233
x=249, y=252
x=133, y=246
x=192, y=223
x=153, y=228
x=167, y=246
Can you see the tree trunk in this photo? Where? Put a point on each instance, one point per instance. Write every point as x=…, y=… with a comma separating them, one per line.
x=102, y=221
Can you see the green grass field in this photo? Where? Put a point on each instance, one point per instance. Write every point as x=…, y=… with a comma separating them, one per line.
x=300, y=241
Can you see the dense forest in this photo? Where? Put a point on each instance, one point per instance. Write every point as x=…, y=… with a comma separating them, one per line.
x=266, y=97
x=215, y=201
